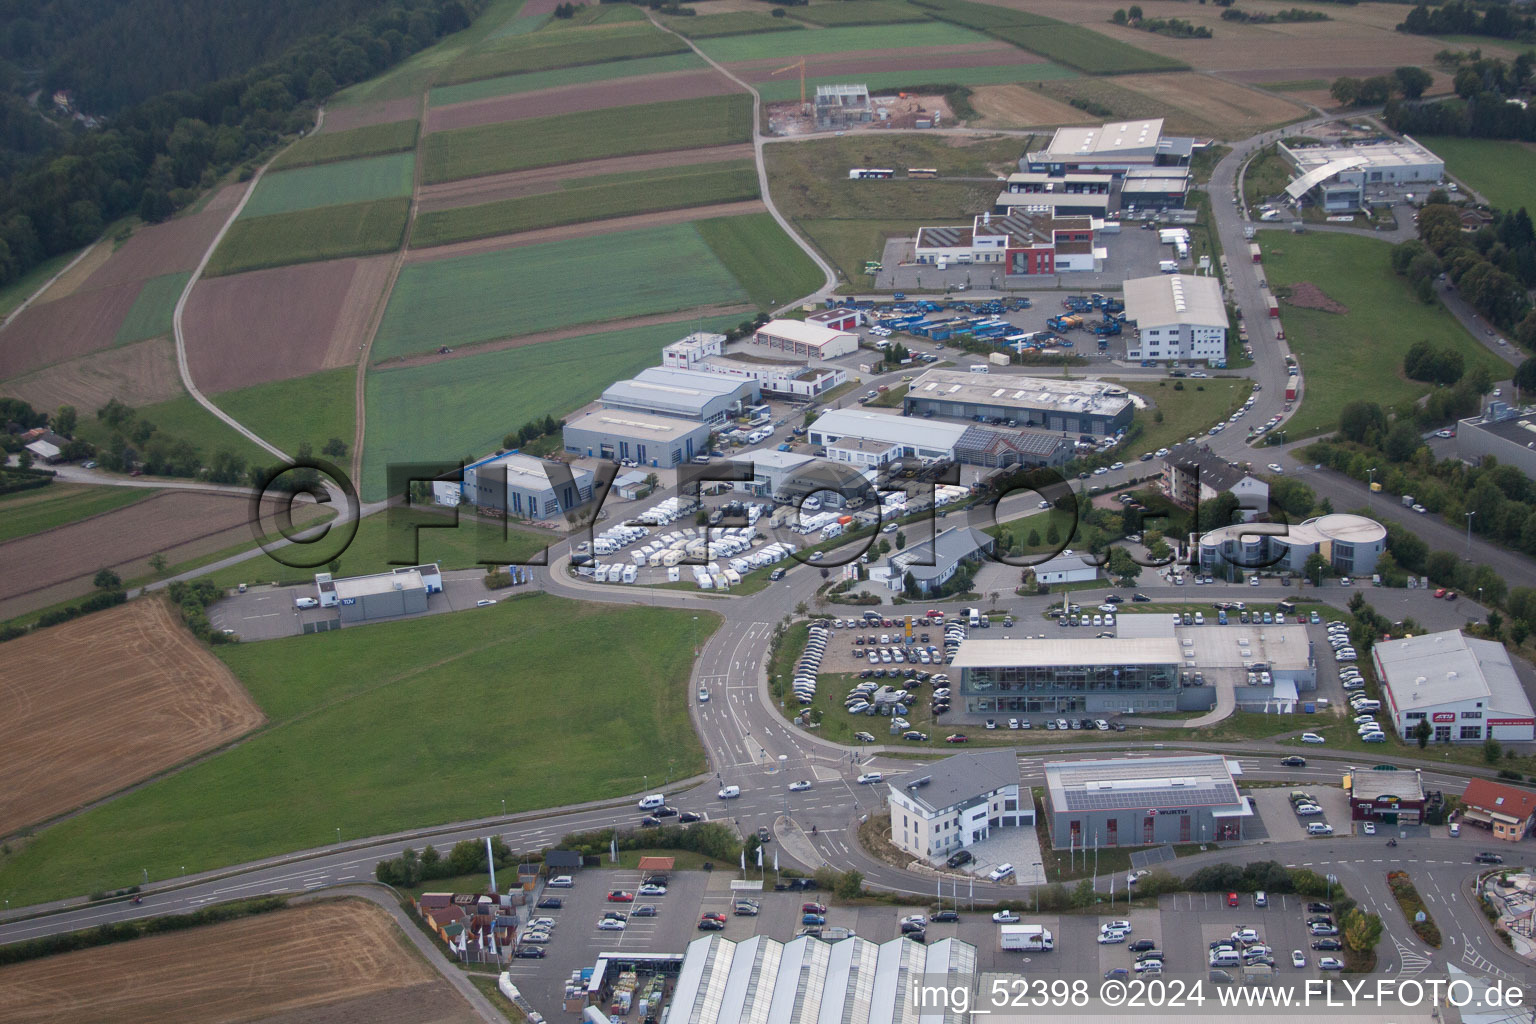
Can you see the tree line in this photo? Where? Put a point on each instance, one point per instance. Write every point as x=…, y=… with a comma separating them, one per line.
x=1493, y=267
x=1458, y=17
x=1484, y=85
x=165, y=142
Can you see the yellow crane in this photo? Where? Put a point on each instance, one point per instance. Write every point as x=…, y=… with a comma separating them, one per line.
x=790, y=67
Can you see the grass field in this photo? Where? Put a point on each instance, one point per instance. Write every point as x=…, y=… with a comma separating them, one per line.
x=766, y=261
x=180, y=419
x=1073, y=45
x=591, y=135
x=550, y=378
x=334, y=184
x=369, y=140
x=1501, y=170
x=696, y=185
x=362, y=734
x=1368, y=344
x=327, y=233
x=150, y=315
x=469, y=299
x=289, y=413
x=511, y=84
x=607, y=14
x=19, y=290
x=1266, y=175
x=29, y=512
x=1186, y=413
x=732, y=23
x=847, y=244
x=859, y=12
x=547, y=50
x=520, y=26
x=782, y=89
x=732, y=49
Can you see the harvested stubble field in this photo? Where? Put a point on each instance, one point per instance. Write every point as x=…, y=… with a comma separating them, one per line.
x=138, y=374
x=335, y=962
x=731, y=23
x=1015, y=106
x=132, y=679
x=285, y=322
x=591, y=135
x=359, y=115
x=533, y=81
x=326, y=233
x=908, y=71
x=546, y=51
x=627, y=92
x=332, y=184
x=366, y=140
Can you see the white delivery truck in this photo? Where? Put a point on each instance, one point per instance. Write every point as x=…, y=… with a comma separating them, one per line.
x=1030, y=938
x=973, y=615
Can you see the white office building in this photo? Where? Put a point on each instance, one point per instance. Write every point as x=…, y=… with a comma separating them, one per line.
x=1178, y=317
x=1465, y=688
x=957, y=802
x=1345, y=177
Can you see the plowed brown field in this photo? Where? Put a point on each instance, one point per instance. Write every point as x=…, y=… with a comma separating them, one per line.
x=339, y=119
x=628, y=92
x=328, y=963
x=287, y=322
x=139, y=374
x=70, y=281
x=178, y=244
x=135, y=682
x=51, y=332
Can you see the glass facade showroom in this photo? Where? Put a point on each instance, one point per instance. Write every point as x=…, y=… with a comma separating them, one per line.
x=1052, y=688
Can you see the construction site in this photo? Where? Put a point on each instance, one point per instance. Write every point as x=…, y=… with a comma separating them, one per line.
x=850, y=107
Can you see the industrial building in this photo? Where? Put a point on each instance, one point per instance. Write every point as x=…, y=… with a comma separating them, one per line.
x=956, y=802
x=1352, y=545
x=1073, y=407
x=771, y=470
x=808, y=341
x=619, y=434
x=1178, y=317
x=1466, y=689
x=868, y=439
x=1267, y=668
x=852, y=980
x=685, y=394
x=842, y=106
x=1505, y=811
x=1342, y=177
x=1073, y=675
x=992, y=448
x=1386, y=796
x=1154, y=188
x=1144, y=801
x=1502, y=431
x=524, y=487
x=690, y=352
x=383, y=595
x=703, y=352
x=1085, y=195
x=1065, y=568
x=929, y=565
x=1021, y=242
x=1113, y=148
x=1192, y=474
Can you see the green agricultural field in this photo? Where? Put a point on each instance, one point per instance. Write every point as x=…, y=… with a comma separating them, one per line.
x=369, y=140
x=1503, y=171
x=606, y=14
x=468, y=299
x=886, y=82
x=858, y=12
x=1336, y=351
x=176, y=421
x=496, y=392
x=757, y=252
x=1080, y=47
x=847, y=244
x=656, y=174
x=288, y=413
x=327, y=233
x=547, y=50
x=412, y=76
x=520, y=26
x=591, y=135
x=29, y=512
x=700, y=186
x=734, y=23
x=981, y=16
x=1187, y=412
x=364, y=736
x=150, y=315
x=733, y=49
x=335, y=184
x=508, y=85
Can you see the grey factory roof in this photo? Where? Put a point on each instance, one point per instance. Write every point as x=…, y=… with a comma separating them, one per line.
x=667, y=388
x=1117, y=138
x=1072, y=651
x=889, y=428
x=1196, y=780
x=934, y=558
x=958, y=780
x=1175, y=299
x=634, y=424
x=378, y=583
x=524, y=471
x=1370, y=783
x=1016, y=392
x=1442, y=668
x=978, y=440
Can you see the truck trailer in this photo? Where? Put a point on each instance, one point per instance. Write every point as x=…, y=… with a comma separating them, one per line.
x=1029, y=938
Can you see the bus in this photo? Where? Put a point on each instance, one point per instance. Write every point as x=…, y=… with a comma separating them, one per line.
x=922, y=172
x=855, y=173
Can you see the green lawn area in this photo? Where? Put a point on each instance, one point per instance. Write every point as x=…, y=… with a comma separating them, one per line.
x=733, y=23
x=288, y=413
x=788, y=87
x=510, y=84
x=150, y=315
x=180, y=419
x=859, y=12
x=326, y=233
x=1338, y=351
x=733, y=49
x=1503, y=171
x=548, y=49
x=1186, y=413
x=29, y=512
x=846, y=244
x=469, y=299
x=329, y=147
x=590, y=135
x=366, y=735
x=768, y=264
x=1266, y=175
x=494, y=392
x=698, y=185
x=18, y=291
x=333, y=184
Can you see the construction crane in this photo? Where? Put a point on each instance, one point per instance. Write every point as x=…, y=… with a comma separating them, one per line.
x=790, y=67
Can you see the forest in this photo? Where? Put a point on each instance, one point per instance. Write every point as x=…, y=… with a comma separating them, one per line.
x=1458, y=17
x=1483, y=86
x=160, y=149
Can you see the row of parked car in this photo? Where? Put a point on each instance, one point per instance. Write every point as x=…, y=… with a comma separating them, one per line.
x=809, y=665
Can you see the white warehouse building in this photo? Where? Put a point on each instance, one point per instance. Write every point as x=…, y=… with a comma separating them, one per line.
x=808, y=341
x=1466, y=689
x=1179, y=317
x=867, y=439
x=956, y=802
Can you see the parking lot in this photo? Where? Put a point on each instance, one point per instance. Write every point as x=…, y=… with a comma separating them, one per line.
x=266, y=612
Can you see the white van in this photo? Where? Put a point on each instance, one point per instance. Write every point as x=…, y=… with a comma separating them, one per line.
x=729, y=792
x=306, y=602
x=1225, y=958
x=651, y=801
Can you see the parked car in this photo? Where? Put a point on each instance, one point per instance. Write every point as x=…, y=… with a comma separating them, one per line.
x=1006, y=917
x=621, y=896
x=609, y=924
x=959, y=859
x=1000, y=872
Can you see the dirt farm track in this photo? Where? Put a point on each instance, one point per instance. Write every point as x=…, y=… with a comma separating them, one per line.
x=340, y=962
x=133, y=680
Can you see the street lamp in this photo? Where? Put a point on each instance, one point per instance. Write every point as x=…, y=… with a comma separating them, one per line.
x=1469, y=534
x=1039, y=877
x=1371, y=475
